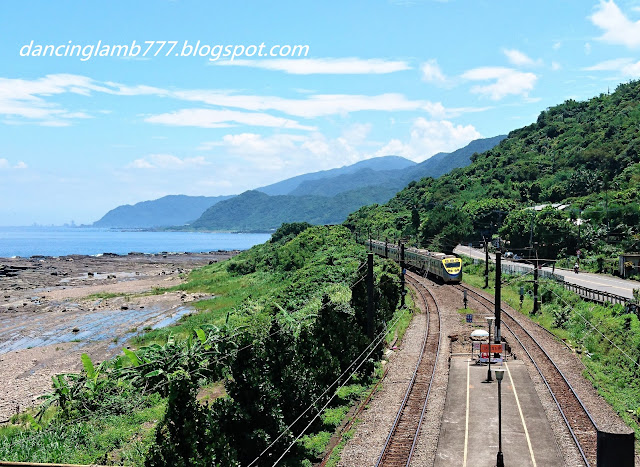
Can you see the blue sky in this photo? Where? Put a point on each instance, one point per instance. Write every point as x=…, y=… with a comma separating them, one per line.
x=405, y=77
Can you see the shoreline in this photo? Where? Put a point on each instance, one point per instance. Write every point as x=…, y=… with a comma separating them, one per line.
x=43, y=242
x=119, y=255
x=53, y=309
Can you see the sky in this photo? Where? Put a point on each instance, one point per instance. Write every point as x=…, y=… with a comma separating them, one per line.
x=132, y=101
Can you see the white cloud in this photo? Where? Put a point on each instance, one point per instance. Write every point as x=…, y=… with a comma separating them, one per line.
x=356, y=133
x=438, y=111
x=518, y=58
x=617, y=28
x=555, y=66
x=292, y=154
x=296, y=151
x=167, y=161
x=325, y=66
x=587, y=48
x=317, y=105
x=431, y=73
x=5, y=165
x=626, y=66
x=141, y=164
x=322, y=105
x=429, y=137
x=258, y=145
x=210, y=118
x=507, y=81
x=24, y=101
x=556, y=45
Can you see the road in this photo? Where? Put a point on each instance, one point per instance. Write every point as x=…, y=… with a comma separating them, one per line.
x=600, y=282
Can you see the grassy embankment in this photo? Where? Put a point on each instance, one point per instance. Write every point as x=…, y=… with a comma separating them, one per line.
x=101, y=416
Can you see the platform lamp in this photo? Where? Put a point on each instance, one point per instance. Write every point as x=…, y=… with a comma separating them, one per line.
x=490, y=320
x=499, y=376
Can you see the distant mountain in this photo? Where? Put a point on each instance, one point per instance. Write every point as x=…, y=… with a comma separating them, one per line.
x=177, y=210
x=287, y=186
x=328, y=197
x=443, y=163
x=172, y=210
x=331, y=186
x=435, y=166
x=257, y=211
x=319, y=197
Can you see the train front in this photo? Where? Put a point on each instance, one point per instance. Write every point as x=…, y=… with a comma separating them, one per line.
x=451, y=269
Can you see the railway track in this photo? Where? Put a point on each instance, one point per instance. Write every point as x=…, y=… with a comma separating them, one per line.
x=577, y=418
x=401, y=442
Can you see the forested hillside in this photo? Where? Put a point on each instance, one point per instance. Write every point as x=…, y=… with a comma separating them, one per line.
x=256, y=211
x=376, y=164
x=584, y=154
x=328, y=197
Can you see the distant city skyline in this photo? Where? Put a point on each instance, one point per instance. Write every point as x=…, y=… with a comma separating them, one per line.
x=126, y=102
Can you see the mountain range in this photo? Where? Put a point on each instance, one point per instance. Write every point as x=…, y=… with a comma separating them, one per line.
x=323, y=197
x=166, y=211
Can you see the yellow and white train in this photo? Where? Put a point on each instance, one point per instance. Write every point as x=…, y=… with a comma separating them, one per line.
x=446, y=267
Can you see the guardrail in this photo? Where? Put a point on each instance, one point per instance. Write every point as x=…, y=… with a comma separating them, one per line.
x=584, y=292
x=595, y=295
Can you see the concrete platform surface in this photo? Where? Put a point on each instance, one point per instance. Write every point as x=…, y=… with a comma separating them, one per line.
x=469, y=431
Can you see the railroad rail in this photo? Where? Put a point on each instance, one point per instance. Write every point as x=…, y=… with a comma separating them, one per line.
x=577, y=418
x=403, y=436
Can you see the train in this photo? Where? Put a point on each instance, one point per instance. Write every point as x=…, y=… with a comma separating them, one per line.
x=447, y=268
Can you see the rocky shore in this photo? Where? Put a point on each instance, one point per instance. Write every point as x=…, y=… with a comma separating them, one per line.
x=53, y=309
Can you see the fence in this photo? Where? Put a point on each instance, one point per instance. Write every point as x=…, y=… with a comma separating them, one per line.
x=584, y=292
x=595, y=295
x=518, y=269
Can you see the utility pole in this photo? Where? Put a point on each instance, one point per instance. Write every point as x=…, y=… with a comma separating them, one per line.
x=579, y=221
x=370, y=242
x=370, y=314
x=535, y=288
x=403, y=271
x=386, y=247
x=498, y=287
x=531, y=233
x=486, y=264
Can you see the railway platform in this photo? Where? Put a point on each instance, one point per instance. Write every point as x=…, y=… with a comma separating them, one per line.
x=469, y=430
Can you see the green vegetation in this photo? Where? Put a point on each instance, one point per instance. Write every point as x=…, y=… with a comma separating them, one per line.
x=256, y=211
x=585, y=154
x=97, y=419
x=278, y=342
x=103, y=295
x=606, y=336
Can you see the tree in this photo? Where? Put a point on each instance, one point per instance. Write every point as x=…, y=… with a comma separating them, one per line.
x=415, y=219
x=446, y=228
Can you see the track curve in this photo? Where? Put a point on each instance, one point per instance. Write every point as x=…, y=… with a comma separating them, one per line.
x=401, y=442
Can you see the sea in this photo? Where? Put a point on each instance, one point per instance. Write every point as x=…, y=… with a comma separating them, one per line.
x=59, y=241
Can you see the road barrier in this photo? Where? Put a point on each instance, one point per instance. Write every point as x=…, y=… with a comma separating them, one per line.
x=584, y=292
x=595, y=295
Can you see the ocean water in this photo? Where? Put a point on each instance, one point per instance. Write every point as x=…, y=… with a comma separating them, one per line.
x=59, y=241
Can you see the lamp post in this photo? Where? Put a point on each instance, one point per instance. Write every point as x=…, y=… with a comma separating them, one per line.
x=489, y=378
x=499, y=376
